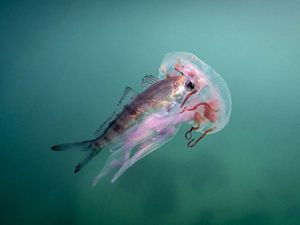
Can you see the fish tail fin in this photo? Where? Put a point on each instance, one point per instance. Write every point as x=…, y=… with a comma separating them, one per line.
x=86, y=158
x=92, y=148
x=83, y=146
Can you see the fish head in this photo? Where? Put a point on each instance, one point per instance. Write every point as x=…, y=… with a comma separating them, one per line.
x=186, y=84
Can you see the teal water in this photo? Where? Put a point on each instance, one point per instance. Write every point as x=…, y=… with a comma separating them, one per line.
x=63, y=67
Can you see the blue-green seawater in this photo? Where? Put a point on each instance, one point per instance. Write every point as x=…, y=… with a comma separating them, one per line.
x=63, y=67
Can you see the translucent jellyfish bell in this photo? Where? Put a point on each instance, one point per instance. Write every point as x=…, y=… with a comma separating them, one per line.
x=211, y=104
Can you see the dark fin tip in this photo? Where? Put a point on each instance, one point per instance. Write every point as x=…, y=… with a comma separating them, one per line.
x=77, y=168
x=55, y=148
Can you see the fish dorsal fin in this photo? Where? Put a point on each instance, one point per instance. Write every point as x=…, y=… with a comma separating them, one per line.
x=149, y=80
x=128, y=96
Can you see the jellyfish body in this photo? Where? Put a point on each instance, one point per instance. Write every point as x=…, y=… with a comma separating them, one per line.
x=210, y=105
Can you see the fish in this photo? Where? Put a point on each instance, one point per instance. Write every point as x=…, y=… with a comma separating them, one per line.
x=143, y=122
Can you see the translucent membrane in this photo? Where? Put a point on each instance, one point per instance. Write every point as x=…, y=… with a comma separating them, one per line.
x=212, y=97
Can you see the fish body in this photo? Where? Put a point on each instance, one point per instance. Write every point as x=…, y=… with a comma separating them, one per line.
x=157, y=98
x=140, y=123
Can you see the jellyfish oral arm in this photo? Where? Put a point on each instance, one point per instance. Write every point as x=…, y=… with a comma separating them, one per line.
x=146, y=148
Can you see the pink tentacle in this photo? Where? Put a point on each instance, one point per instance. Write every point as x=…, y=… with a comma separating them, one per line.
x=187, y=97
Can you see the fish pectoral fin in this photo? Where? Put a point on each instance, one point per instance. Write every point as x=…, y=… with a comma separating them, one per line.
x=149, y=80
x=127, y=97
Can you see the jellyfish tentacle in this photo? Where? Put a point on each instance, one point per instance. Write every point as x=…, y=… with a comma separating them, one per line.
x=197, y=118
x=178, y=69
x=188, y=134
x=193, y=142
x=186, y=98
x=205, y=104
x=182, y=111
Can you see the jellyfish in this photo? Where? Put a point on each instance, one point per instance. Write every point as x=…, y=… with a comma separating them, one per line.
x=207, y=109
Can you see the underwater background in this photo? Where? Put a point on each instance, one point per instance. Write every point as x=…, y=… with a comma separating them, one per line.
x=64, y=66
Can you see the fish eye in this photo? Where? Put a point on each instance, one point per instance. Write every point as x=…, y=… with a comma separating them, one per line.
x=189, y=85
